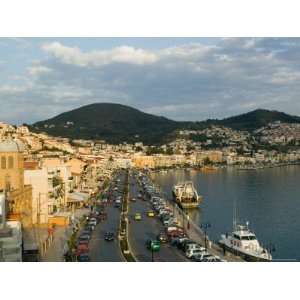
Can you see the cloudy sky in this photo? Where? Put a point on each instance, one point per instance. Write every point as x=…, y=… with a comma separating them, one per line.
x=180, y=78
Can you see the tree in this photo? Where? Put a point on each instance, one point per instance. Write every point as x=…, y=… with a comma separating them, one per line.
x=169, y=151
x=138, y=149
x=207, y=161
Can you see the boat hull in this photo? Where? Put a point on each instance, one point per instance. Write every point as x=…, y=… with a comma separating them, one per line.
x=245, y=256
x=187, y=203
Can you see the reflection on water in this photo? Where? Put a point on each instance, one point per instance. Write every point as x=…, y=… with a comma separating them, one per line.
x=269, y=199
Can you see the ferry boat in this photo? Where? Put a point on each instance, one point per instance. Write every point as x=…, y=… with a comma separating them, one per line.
x=186, y=196
x=243, y=242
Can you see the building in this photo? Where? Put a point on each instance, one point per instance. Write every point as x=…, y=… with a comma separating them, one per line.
x=19, y=196
x=41, y=207
x=10, y=236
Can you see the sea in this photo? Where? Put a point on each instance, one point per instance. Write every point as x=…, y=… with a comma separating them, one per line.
x=269, y=199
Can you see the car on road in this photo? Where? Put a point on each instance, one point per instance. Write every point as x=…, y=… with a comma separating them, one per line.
x=109, y=236
x=133, y=199
x=83, y=258
x=153, y=245
x=117, y=205
x=162, y=238
x=137, y=217
x=150, y=213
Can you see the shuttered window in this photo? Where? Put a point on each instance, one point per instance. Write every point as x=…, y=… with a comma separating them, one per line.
x=3, y=162
x=10, y=162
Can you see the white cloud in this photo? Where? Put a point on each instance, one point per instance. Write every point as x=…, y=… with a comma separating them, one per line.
x=38, y=70
x=123, y=54
x=12, y=89
x=189, y=81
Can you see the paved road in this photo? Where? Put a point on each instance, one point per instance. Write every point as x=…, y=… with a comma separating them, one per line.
x=101, y=250
x=148, y=228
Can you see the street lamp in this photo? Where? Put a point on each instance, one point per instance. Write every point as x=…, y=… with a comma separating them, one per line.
x=205, y=227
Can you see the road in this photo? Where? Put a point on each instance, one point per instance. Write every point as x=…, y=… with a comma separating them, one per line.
x=148, y=228
x=101, y=250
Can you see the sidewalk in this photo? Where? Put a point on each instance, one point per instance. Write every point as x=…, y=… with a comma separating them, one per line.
x=59, y=244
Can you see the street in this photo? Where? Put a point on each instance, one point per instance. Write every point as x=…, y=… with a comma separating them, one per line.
x=101, y=250
x=148, y=228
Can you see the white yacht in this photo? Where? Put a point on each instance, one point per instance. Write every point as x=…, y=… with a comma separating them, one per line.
x=243, y=242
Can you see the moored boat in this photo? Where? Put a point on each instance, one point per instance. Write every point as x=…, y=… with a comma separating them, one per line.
x=186, y=196
x=243, y=242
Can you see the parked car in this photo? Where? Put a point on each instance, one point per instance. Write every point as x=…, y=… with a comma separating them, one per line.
x=202, y=257
x=83, y=258
x=192, y=246
x=84, y=237
x=190, y=253
x=213, y=259
x=83, y=242
x=83, y=248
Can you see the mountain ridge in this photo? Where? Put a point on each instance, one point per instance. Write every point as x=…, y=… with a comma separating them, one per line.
x=118, y=123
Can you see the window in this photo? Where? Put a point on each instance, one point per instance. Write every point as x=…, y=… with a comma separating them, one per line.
x=10, y=162
x=236, y=237
x=3, y=162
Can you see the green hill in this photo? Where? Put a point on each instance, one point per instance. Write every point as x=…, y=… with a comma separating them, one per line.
x=118, y=123
x=114, y=123
x=256, y=119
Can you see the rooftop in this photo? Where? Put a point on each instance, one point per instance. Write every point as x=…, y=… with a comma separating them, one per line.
x=11, y=146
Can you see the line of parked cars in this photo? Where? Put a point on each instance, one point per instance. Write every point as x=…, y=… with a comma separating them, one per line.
x=82, y=251
x=174, y=233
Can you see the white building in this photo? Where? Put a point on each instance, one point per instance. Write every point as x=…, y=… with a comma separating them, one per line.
x=38, y=179
x=10, y=236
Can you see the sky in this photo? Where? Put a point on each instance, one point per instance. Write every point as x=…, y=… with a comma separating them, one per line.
x=179, y=78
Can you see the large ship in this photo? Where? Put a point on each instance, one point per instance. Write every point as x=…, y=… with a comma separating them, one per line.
x=243, y=242
x=186, y=196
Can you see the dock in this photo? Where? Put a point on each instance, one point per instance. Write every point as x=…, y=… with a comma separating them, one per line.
x=195, y=233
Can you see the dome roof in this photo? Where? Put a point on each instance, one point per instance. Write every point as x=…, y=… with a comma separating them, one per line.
x=11, y=146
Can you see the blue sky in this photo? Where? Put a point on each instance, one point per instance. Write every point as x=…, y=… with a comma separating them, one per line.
x=180, y=78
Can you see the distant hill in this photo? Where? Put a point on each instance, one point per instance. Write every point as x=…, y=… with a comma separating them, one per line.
x=114, y=123
x=118, y=123
x=256, y=119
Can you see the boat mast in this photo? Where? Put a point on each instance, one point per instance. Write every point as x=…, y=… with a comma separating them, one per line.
x=234, y=215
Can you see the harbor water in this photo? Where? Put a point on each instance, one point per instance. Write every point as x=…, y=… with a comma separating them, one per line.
x=268, y=198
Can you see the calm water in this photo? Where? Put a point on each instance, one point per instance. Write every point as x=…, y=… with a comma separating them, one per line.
x=269, y=199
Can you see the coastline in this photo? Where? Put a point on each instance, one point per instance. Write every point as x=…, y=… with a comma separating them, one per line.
x=216, y=167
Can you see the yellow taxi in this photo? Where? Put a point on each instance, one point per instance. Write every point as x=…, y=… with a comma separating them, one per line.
x=150, y=213
x=138, y=217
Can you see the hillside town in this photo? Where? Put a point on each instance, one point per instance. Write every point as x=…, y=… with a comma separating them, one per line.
x=45, y=180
